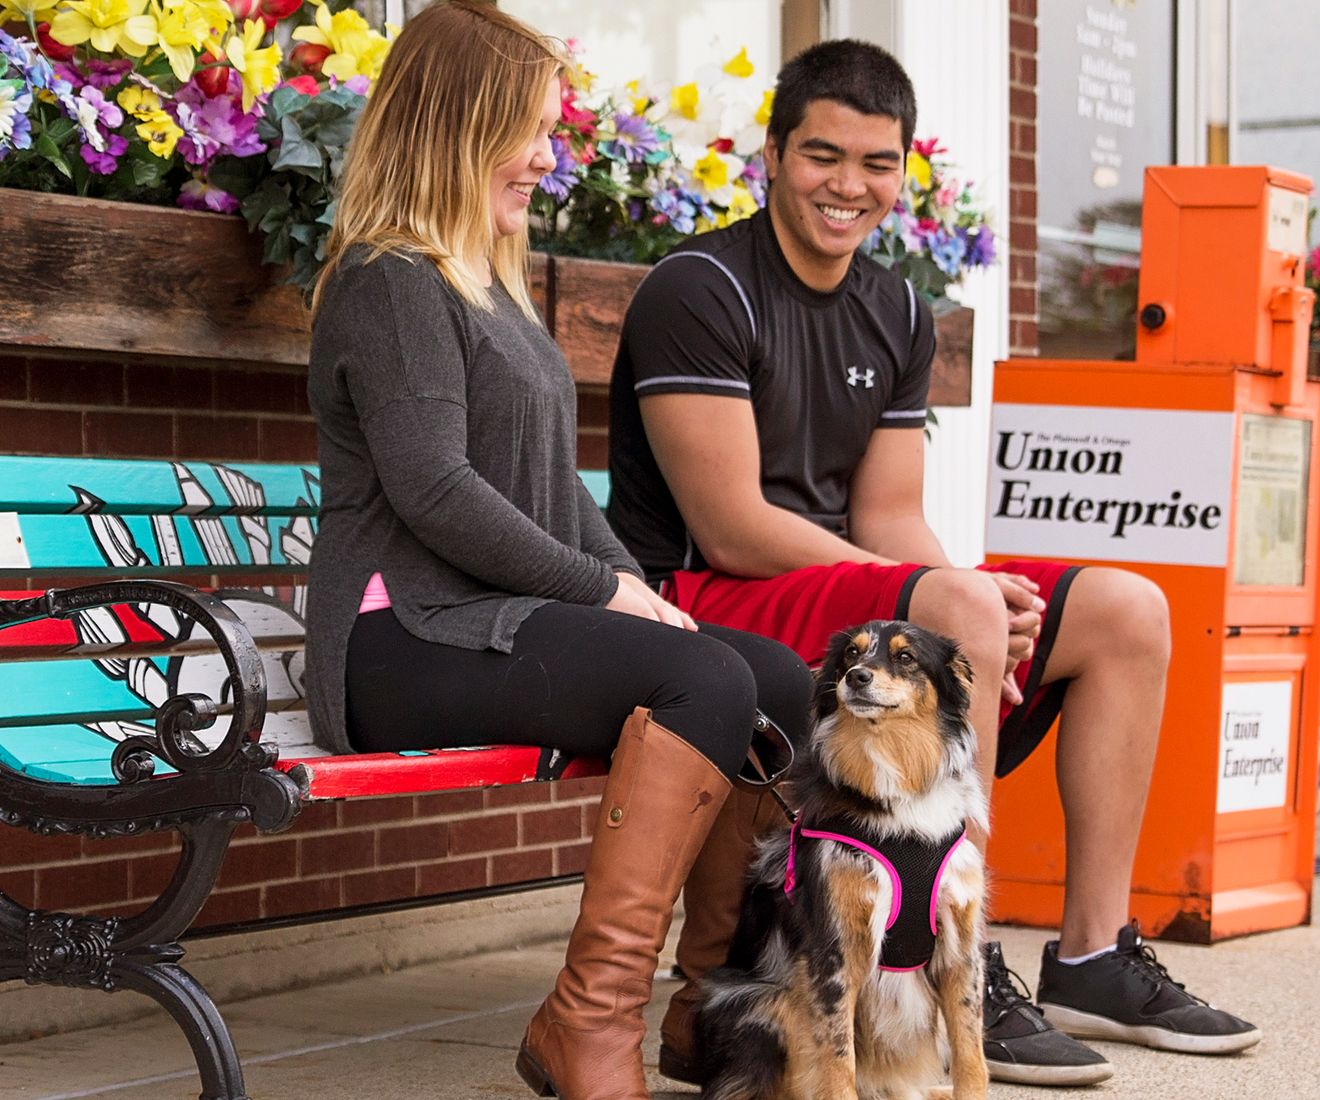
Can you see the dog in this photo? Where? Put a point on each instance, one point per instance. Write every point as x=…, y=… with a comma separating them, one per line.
x=834, y=987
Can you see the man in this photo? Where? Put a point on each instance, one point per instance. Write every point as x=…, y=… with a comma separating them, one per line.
x=766, y=456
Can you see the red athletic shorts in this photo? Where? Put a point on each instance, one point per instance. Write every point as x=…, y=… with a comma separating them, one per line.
x=805, y=607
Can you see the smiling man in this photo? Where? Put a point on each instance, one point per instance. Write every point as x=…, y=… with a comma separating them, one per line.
x=766, y=456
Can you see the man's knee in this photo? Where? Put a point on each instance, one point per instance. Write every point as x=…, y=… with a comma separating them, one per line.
x=1124, y=613
x=967, y=606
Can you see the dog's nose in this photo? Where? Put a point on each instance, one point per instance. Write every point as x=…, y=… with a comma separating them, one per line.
x=859, y=677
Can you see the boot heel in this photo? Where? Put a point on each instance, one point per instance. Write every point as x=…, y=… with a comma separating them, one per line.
x=677, y=1068
x=532, y=1074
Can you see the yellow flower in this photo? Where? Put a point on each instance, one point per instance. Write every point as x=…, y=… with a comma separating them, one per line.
x=161, y=134
x=27, y=11
x=109, y=25
x=139, y=102
x=918, y=170
x=686, y=99
x=711, y=171
x=260, y=69
x=355, y=49
x=742, y=205
x=182, y=28
x=738, y=65
x=640, y=103
x=763, y=111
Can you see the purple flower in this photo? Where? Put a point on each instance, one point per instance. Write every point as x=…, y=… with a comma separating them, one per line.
x=679, y=208
x=199, y=195
x=104, y=163
x=215, y=125
x=561, y=179
x=635, y=139
x=106, y=74
x=359, y=84
x=947, y=250
x=68, y=72
x=753, y=175
x=980, y=246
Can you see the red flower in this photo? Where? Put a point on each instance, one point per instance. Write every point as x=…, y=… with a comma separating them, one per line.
x=927, y=147
x=244, y=9
x=305, y=84
x=573, y=117
x=272, y=11
x=56, y=51
x=309, y=56
x=213, y=81
x=1313, y=263
x=722, y=145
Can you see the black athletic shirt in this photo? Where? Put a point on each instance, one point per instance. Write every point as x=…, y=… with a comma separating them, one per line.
x=725, y=314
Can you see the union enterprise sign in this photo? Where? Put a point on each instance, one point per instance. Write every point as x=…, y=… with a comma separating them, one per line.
x=1111, y=484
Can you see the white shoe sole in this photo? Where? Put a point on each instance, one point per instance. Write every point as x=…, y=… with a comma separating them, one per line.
x=1085, y=1025
x=1062, y=1076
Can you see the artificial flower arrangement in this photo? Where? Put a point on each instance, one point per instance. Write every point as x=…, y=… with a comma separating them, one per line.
x=1313, y=281
x=637, y=171
x=194, y=102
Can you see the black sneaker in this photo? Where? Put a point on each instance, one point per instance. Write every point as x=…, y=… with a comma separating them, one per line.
x=1019, y=1045
x=1128, y=996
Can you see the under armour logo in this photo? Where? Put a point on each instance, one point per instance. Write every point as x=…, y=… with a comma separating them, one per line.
x=867, y=379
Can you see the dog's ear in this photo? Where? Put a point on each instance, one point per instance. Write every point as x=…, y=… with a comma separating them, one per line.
x=956, y=687
x=827, y=676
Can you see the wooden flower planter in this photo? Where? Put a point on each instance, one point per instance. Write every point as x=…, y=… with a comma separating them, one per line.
x=86, y=277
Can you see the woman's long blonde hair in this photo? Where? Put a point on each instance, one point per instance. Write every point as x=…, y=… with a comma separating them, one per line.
x=460, y=93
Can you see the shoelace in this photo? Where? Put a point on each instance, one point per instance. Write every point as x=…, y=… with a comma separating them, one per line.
x=1143, y=959
x=1003, y=989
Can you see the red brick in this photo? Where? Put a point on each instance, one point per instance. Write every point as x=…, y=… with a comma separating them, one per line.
x=414, y=843
x=268, y=861
x=589, y=787
x=284, y=439
x=218, y=437
x=230, y=907
x=394, y=884
x=336, y=852
x=1024, y=70
x=593, y=409
x=1022, y=202
x=483, y=834
x=1022, y=35
x=89, y=883
x=13, y=378
x=260, y=391
x=61, y=382
x=1022, y=234
x=571, y=859
x=152, y=386
x=1024, y=137
x=549, y=826
x=522, y=866
x=452, y=875
x=593, y=451
x=1022, y=300
x=42, y=431
x=129, y=433
x=1023, y=8
x=448, y=802
x=1022, y=269
x=163, y=841
x=149, y=875
x=19, y=847
x=374, y=811
x=516, y=794
x=316, y=816
x=1022, y=170
x=21, y=886
x=1021, y=103
x=306, y=896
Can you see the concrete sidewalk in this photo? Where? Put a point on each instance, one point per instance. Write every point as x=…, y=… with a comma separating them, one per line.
x=450, y=1030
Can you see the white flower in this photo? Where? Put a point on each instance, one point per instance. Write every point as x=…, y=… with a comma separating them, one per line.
x=87, y=118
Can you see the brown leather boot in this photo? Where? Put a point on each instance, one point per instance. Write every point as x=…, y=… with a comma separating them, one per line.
x=660, y=800
x=712, y=901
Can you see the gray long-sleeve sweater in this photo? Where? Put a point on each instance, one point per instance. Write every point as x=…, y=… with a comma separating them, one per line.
x=447, y=441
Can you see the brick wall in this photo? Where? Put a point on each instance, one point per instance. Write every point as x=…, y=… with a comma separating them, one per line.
x=1022, y=306
x=338, y=854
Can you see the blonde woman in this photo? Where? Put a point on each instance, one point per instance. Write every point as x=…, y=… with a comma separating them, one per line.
x=464, y=587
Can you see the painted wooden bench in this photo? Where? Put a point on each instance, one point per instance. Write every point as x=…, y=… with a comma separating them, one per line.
x=164, y=691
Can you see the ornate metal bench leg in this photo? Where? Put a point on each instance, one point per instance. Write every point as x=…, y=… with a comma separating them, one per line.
x=194, y=1011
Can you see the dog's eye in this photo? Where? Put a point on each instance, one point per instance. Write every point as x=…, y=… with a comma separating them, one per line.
x=851, y=653
x=905, y=657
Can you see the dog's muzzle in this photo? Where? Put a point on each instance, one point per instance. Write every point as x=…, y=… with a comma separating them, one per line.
x=769, y=756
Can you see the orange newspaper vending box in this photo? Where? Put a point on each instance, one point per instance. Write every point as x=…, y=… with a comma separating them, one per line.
x=1194, y=466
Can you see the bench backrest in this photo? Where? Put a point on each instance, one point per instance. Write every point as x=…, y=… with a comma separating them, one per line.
x=243, y=530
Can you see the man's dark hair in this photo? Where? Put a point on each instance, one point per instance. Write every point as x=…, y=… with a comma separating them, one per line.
x=857, y=74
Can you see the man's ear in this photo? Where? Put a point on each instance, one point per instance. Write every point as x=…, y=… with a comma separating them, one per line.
x=770, y=154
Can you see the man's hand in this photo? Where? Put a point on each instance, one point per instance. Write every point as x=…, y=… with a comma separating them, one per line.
x=1024, y=608
x=633, y=597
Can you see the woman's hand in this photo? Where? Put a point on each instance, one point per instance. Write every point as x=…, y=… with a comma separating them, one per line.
x=633, y=597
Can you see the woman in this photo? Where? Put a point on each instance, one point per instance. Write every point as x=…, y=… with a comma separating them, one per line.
x=464, y=587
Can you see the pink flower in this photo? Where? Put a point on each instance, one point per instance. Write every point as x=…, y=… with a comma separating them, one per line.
x=200, y=195
x=305, y=84
x=104, y=163
x=1313, y=263
x=927, y=147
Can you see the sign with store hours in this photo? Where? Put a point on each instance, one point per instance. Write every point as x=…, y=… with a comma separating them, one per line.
x=1110, y=484
x=1254, y=736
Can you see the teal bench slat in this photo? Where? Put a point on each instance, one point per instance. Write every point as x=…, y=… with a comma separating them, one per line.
x=30, y=485
x=63, y=753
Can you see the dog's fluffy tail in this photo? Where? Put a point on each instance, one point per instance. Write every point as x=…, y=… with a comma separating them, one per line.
x=738, y=1043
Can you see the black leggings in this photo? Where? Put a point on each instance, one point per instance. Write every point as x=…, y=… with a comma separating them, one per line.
x=574, y=676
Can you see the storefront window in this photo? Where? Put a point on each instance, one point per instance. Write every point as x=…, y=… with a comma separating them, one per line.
x=1106, y=93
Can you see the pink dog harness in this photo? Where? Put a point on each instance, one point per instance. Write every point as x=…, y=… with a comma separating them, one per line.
x=910, y=930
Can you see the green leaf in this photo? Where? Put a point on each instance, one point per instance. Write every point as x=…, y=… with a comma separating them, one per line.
x=46, y=146
x=283, y=100
x=299, y=156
